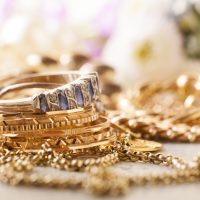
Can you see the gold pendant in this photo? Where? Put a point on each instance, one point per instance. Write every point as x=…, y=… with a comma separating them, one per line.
x=144, y=145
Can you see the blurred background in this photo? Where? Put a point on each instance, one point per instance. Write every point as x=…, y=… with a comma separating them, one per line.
x=138, y=39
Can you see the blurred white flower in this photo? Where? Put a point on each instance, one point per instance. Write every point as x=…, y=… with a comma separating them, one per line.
x=16, y=25
x=145, y=46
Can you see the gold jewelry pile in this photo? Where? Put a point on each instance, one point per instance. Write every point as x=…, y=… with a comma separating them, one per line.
x=64, y=126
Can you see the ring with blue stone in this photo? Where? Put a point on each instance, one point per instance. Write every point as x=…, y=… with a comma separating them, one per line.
x=63, y=91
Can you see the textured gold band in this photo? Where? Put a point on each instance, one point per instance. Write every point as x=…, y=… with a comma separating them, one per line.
x=60, y=143
x=100, y=124
x=48, y=121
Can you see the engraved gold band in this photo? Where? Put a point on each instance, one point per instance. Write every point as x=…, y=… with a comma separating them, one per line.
x=47, y=121
x=60, y=143
x=100, y=124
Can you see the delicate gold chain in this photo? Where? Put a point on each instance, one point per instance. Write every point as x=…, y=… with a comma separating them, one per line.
x=171, y=97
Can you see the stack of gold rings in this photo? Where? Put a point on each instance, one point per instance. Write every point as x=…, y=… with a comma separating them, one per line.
x=65, y=112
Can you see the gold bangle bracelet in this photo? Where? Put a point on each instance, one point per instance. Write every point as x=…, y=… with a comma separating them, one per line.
x=50, y=120
x=95, y=126
x=77, y=90
x=64, y=143
x=60, y=134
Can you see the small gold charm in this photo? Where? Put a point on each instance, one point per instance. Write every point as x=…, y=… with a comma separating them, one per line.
x=144, y=145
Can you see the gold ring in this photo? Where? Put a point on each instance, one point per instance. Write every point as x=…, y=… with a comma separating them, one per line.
x=76, y=90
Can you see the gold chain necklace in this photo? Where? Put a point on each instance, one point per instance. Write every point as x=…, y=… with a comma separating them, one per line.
x=155, y=127
x=18, y=168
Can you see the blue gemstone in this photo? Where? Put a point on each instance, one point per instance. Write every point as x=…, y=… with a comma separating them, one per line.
x=79, y=96
x=97, y=81
x=63, y=102
x=44, y=107
x=91, y=90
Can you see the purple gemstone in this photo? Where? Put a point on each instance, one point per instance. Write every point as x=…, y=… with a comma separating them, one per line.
x=91, y=90
x=79, y=96
x=44, y=107
x=97, y=81
x=63, y=102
